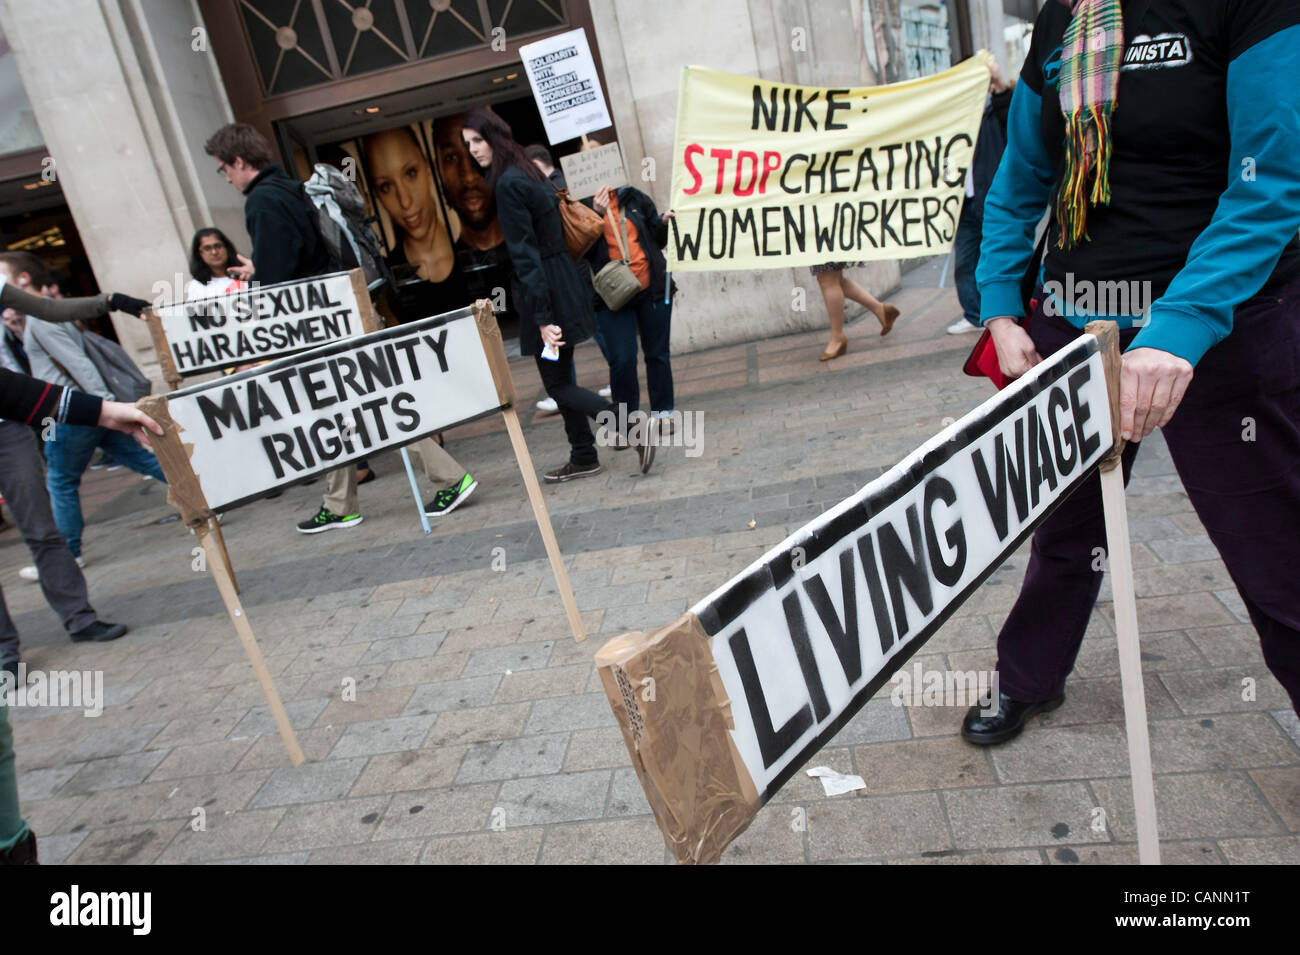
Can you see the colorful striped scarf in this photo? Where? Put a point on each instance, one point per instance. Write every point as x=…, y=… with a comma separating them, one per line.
x=1091, y=56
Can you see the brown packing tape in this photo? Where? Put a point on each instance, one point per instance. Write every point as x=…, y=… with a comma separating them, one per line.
x=1107, y=335
x=183, y=488
x=665, y=691
x=490, y=334
x=165, y=360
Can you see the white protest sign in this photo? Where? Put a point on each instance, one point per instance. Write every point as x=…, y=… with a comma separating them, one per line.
x=585, y=172
x=277, y=424
x=762, y=673
x=262, y=322
x=565, y=85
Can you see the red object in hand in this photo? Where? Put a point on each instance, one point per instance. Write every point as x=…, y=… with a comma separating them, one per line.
x=983, y=360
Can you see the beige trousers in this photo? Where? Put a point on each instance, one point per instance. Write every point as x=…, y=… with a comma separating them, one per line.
x=440, y=467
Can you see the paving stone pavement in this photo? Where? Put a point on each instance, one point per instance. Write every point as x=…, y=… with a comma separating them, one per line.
x=449, y=717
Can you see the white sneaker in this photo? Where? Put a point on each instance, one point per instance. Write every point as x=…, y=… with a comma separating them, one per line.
x=605, y=392
x=961, y=327
x=34, y=575
x=548, y=405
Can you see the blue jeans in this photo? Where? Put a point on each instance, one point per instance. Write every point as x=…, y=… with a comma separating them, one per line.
x=966, y=255
x=648, y=315
x=67, y=453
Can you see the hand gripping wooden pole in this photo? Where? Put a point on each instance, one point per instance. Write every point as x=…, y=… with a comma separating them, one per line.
x=1120, y=562
x=184, y=491
x=490, y=333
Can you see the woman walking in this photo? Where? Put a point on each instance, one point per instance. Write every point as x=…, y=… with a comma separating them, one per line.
x=835, y=289
x=553, y=301
x=1189, y=193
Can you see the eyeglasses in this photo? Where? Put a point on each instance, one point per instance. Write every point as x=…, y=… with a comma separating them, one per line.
x=205, y=249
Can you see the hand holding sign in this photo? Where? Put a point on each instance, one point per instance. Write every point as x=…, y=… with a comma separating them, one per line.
x=1016, y=351
x=1151, y=386
x=127, y=418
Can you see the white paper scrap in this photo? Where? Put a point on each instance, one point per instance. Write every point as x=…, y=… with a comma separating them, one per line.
x=836, y=784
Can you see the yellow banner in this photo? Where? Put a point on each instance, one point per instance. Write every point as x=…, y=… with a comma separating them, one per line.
x=768, y=175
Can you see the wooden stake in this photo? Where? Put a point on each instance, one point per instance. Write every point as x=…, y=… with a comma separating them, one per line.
x=165, y=360
x=236, y=610
x=1119, y=559
x=225, y=554
x=544, y=522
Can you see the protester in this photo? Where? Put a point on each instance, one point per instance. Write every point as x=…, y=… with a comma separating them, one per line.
x=57, y=355
x=631, y=213
x=287, y=246
x=835, y=288
x=553, y=300
x=989, y=145
x=24, y=400
x=211, y=254
x=1181, y=175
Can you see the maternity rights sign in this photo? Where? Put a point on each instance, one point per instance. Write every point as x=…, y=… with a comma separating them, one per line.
x=287, y=420
x=769, y=175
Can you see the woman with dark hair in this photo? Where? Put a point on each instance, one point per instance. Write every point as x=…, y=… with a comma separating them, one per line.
x=553, y=301
x=212, y=256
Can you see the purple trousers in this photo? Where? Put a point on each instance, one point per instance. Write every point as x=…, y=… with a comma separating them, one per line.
x=1235, y=441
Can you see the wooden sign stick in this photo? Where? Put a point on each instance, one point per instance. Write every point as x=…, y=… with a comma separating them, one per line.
x=165, y=360
x=225, y=554
x=490, y=333
x=1119, y=558
x=185, y=492
x=226, y=585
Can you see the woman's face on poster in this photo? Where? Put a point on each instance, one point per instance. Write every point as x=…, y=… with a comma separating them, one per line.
x=403, y=181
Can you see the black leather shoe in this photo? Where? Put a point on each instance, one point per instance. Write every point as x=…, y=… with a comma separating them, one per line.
x=22, y=854
x=1006, y=723
x=99, y=632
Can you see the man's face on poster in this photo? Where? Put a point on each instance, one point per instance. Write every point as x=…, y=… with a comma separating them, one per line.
x=467, y=191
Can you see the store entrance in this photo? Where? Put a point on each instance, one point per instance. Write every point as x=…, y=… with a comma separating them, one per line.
x=433, y=214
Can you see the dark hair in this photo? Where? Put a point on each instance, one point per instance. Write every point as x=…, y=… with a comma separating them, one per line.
x=538, y=152
x=239, y=140
x=198, y=268
x=505, y=151
x=20, y=262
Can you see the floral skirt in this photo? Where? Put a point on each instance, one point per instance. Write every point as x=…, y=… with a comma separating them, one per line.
x=835, y=267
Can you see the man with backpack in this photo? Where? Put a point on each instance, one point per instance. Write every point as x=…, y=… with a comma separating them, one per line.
x=285, y=225
x=61, y=354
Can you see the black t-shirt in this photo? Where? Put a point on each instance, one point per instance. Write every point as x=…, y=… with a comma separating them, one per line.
x=1172, y=149
x=419, y=298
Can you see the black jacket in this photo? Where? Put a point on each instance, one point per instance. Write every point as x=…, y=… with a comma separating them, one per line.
x=991, y=143
x=652, y=232
x=286, y=243
x=547, y=288
x=31, y=401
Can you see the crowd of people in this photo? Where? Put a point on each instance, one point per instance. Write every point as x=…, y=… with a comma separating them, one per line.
x=1152, y=192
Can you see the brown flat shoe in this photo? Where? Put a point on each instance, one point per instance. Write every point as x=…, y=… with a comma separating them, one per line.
x=836, y=352
x=887, y=323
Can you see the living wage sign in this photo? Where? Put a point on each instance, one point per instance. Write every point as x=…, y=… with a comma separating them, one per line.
x=769, y=175
x=274, y=425
x=721, y=707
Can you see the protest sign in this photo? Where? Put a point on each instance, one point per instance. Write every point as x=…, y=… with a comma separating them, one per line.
x=279, y=423
x=259, y=323
x=585, y=172
x=565, y=85
x=230, y=441
x=770, y=175
x=722, y=706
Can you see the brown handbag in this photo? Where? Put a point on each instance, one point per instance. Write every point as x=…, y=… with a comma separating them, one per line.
x=582, y=227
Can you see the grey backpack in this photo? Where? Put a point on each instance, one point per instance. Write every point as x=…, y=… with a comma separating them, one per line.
x=115, y=366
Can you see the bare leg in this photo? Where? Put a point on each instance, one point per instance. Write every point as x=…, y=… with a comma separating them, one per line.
x=833, y=296
x=885, y=313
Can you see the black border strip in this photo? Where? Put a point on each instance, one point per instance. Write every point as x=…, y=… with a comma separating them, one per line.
x=772, y=574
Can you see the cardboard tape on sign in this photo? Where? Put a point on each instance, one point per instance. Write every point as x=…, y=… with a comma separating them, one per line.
x=675, y=717
x=183, y=488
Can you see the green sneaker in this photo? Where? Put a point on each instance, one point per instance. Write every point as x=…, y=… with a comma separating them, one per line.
x=449, y=498
x=327, y=520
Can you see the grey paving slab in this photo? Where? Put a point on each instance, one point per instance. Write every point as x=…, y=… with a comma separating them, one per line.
x=567, y=797
x=310, y=782
x=382, y=736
